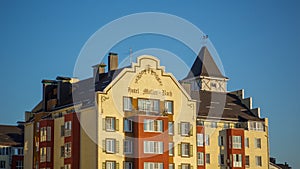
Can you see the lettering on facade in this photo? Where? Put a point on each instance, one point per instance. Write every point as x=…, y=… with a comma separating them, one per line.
x=148, y=71
x=145, y=91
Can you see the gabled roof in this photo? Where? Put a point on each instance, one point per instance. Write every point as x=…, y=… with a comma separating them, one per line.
x=11, y=135
x=204, y=65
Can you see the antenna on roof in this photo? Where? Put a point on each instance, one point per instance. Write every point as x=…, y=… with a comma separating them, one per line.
x=130, y=55
x=204, y=39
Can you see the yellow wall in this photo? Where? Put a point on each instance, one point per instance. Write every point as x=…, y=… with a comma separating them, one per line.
x=58, y=142
x=28, y=145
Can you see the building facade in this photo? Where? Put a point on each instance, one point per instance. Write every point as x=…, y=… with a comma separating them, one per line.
x=140, y=116
x=11, y=147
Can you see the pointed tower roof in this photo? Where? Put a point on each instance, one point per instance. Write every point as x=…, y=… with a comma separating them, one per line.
x=204, y=65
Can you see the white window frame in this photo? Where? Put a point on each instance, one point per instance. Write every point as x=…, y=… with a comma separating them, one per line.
x=153, y=165
x=127, y=103
x=148, y=105
x=68, y=150
x=171, y=128
x=153, y=147
x=236, y=142
x=171, y=148
x=169, y=107
x=151, y=125
x=110, y=145
x=257, y=142
x=200, y=158
x=185, y=149
x=207, y=139
x=185, y=128
x=43, y=154
x=128, y=146
x=68, y=128
x=237, y=160
x=110, y=165
x=110, y=123
x=200, y=139
x=185, y=166
x=258, y=160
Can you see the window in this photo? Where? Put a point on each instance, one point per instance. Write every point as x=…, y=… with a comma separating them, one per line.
x=257, y=126
x=5, y=150
x=110, y=145
x=185, y=166
x=221, y=141
x=68, y=150
x=128, y=147
x=207, y=158
x=67, y=166
x=18, y=151
x=213, y=124
x=68, y=128
x=237, y=160
x=153, y=147
x=171, y=128
x=222, y=161
x=257, y=143
x=226, y=125
x=200, y=158
x=200, y=139
x=62, y=131
x=45, y=134
x=48, y=154
x=247, y=142
x=128, y=165
x=151, y=165
x=148, y=105
x=186, y=149
x=43, y=154
x=171, y=149
x=153, y=125
x=127, y=103
x=207, y=139
x=62, y=151
x=2, y=164
x=19, y=164
x=185, y=128
x=110, y=165
x=247, y=160
x=258, y=161
x=127, y=125
x=169, y=107
x=171, y=166
x=236, y=142
x=110, y=124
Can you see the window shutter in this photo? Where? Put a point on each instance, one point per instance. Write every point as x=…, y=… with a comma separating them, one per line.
x=179, y=128
x=117, y=146
x=103, y=145
x=117, y=124
x=191, y=130
x=179, y=166
x=179, y=149
x=117, y=166
x=191, y=150
x=103, y=165
x=103, y=124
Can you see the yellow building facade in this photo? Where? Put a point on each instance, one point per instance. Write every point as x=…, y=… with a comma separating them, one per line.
x=141, y=116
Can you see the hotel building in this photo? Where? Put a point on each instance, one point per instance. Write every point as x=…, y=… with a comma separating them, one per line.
x=142, y=117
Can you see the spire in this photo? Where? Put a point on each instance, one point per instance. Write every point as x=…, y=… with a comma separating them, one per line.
x=204, y=65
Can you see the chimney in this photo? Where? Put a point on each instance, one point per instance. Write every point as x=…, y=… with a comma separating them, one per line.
x=112, y=61
x=49, y=93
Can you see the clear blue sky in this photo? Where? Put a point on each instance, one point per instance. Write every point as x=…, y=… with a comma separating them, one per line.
x=258, y=43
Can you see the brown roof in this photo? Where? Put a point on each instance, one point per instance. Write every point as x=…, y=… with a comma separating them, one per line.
x=11, y=135
x=204, y=65
x=222, y=105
